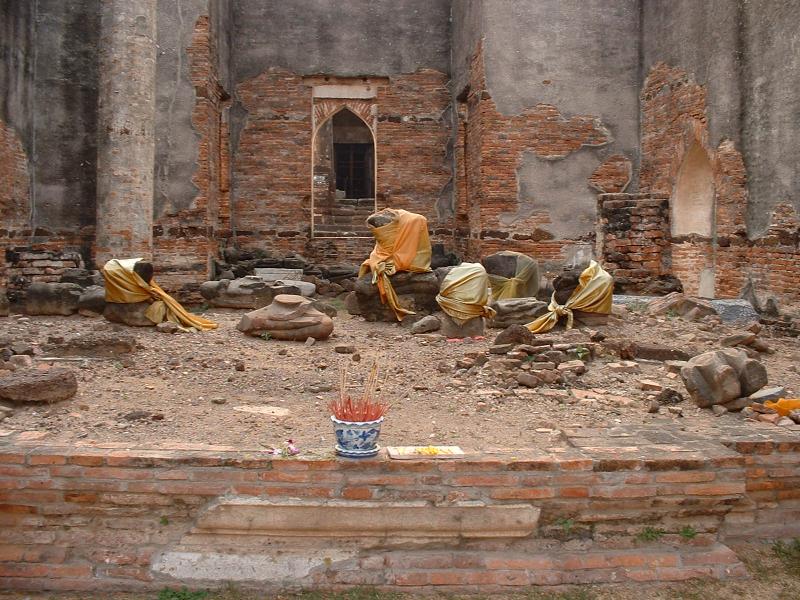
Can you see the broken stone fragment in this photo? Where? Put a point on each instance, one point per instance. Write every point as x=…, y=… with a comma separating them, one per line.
x=245, y=292
x=92, y=301
x=92, y=344
x=740, y=338
x=52, y=298
x=167, y=327
x=719, y=376
x=625, y=366
x=515, y=334
x=680, y=304
x=501, y=348
x=451, y=328
x=767, y=393
x=519, y=311
x=529, y=380
x=669, y=396
x=289, y=317
x=576, y=367
x=33, y=385
x=658, y=352
x=648, y=385
x=20, y=361
x=132, y=314
x=426, y=324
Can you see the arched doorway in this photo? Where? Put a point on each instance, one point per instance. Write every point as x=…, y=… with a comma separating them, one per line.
x=693, y=225
x=343, y=176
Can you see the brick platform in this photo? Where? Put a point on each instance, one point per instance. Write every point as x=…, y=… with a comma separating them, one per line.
x=617, y=505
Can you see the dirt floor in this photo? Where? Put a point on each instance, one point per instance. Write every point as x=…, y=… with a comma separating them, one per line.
x=775, y=575
x=193, y=387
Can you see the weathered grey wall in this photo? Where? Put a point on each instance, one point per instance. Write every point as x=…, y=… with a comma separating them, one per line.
x=346, y=37
x=582, y=56
x=48, y=93
x=747, y=54
x=65, y=129
x=703, y=39
x=16, y=67
x=176, y=140
x=221, y=26
x=466, y=32
x=771, y=95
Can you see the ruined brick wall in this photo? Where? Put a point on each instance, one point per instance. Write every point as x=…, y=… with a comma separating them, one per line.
x=14, y=192
x=104, y=517
x=633, y=239
x=186, y=241
x=272, y=166
x=495, y=146
x=26, y=265
x=674, y=117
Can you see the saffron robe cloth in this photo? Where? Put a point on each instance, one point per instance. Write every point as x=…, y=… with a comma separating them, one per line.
x=402, y=245
x=593, y=294
x=464, y=293
x=125, y=286
x=504, y=288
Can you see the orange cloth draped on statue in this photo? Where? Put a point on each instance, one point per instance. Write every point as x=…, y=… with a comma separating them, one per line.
x=124, y=286
x=402, y=245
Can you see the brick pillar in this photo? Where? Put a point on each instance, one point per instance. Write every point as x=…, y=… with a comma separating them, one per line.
x=126, y=123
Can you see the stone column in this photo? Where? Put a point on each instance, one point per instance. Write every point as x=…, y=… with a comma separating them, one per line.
x=126, y=123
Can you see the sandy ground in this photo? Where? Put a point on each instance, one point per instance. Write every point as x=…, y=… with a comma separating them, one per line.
x=196, y=385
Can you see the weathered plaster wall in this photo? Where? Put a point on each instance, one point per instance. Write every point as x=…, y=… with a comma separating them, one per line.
x=702, y=38
x=725, y=73
x=16, y=87
x=16, y=67
x=581, y=57
x=771, y=96
x=745, y=54
x=177, y=141
x=65, y=121
x=466, y=31
x=350, y=37
x=48, y=101
x=191, y=164
x=567, y=74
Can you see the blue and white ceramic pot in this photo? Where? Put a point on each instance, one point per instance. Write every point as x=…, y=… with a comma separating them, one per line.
x=357, y=439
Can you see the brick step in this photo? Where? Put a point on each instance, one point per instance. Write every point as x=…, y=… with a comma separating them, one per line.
x=359, y=226
x=361, y=214
x=347, y=221
x=341, y=233
x=356, y=202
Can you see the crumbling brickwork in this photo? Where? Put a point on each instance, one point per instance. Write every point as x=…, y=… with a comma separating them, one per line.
x=14, y=190
x=674, y=118
x=186, y=241
x=272, y=166
x=26, y=265
x=494, y=145
x=634, y=239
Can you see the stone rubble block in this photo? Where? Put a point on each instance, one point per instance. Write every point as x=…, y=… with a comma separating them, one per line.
x=245, y=292
x=289, y=317
x=516, y=311
x=34, y=385
x=720, y=376
x=52, y=298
